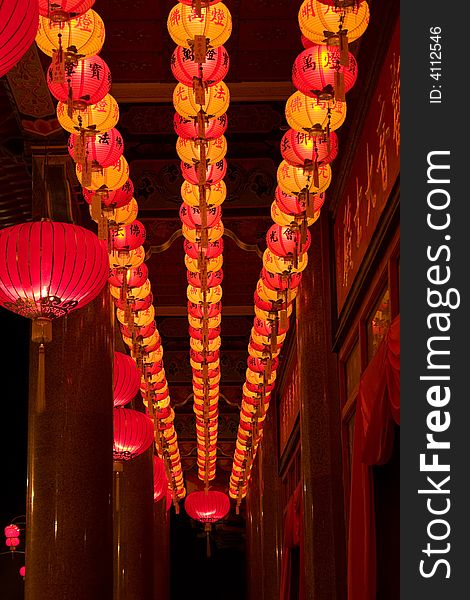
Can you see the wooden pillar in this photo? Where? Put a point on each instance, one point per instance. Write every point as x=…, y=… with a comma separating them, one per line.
x=320, y=429
x=161, y=540
x=254, y=557
x=69, y=543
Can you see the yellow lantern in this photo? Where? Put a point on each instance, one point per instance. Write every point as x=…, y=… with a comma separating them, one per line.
x=136, y=292
x=85, y=33
x=212, y=296
x=214, y=24
x=211, y=322
x=189, y=151
x=217, y=100
x=250, y=394
x=198, y=346
x=265, y=340
x=321, y=23
x=266, y=316
x=317, y=117
x=141, y=317
x=263, y=353
x=215, y=194
x=110, y=178
x=214, y=393
x=155, y=377
x=133, y=258
x=212, y=264
x=295, y=180
x=96, y=118
x=282, y=218
x=198, y=367
x=277, y=264
x=124, y=215
x=258, y=378
x=194, y=235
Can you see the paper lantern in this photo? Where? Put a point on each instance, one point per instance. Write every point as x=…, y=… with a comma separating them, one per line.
x=126, y=260
x=215, y=194
x=194, y=235
x=318, y=73
x=191, y=216
x=279, y=264
x=160, y=480
x=197, y=310
x=213, y=174
x=293, y=204
x=217, y=100
x=215, y=24
x=12, y=531
x=133, y=434
x=211, y=71
x=85, y=33
x=281, y=218
x=141, y=318
x=23, y=571
x=190, y=150
x=126, y=379
x=109, y=178
x=213, y=278
x=119, y=216
x=18, y=26
x=314, y=116
x=318, y=21
x=12, y=542
x=298, y=148
x=275, y=281
x=195, y=249
x=296, y=180
x=212, y=264
x=203, y=2
x=86, y=82
x=128, y=237
x=111, y=199
x=104, y=149
x=129, y=278
x=189, y=128
x=96, y=118
x=64, y=10
x=49, y=269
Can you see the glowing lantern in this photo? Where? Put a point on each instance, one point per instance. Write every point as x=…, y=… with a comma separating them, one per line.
x=214, y=24
x=275, y=281
x=86, y=82
x=119, y=216
x=141, y=291
x=111, y=199
x=214, y=194
x=129, y=278
x=281, y=218
x=318, y=21
x=126, y=260
x=109, y=178
x=126, y=379
x=190, y=150
x=190, y=128
x=63, y=10
x=279, y=264
x=85, y=34
x=318, y=73
x=213, y=278
x=185, y=69
x=12, y=542
x=49, y=269
x=217, y=100
x=212, y=175
x=191, y=216
x=298, y=148
x=23, y=571
x=18, y=27
x=160, y=480
x=197, y=311
x=207, y=507
x=12, y=531
x=195, y=249
x=313, y=116
x=140, y=318
x=306, y=43
x=102, y=150
x=194, y=235
x=212, y=264
x=128, y=237
x=296, y=180
x=133, y=434
x=292, y=204
x=202, y=2
x=96, y=118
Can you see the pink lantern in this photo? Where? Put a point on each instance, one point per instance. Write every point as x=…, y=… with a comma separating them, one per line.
x=87, y=81
x=19, y=20
x=112, y=199
x=160, y=480
x=13, y=542
x=63, y=10
x=191, y=215
x=23, y=571
x=133, y=433
x=214, y=172
x=286, y=241
x=293, y=205
x=104, y=149
x=211, y=71
x=298, y=148
x=126, y=379
x=207, y=507
x=128, y=237
x=49, y=269
x=189, y=129
x=195, y=250
x=12, y=531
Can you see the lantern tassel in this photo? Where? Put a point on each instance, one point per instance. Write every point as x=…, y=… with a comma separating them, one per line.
x=41, y=389
x=200, y=48
x=316, y=178
x=344, y=47
x=58, y=63
x=339, y=86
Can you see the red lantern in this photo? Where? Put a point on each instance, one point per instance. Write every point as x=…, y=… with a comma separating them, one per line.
x=318, y=73
x=63, y=10
x=203, y=2
x=214, y=172
x=300, y=149
x=214, y=278
x=185, y=69
x=135, y=304
x=195, y=250
x=294, y=205
x=306, y=43
x=23, y=571
x=270, y=305
x=197, y=334
x=13, y=542
x=87, y=81
x=49, y=269
x=189, y=128
x=197, y=310
x=103, y=150
x=286, y=241
x=160, y=480
x=126, y=379
x=191, y=215
x=133, y=277
x=266, y=328
x=128, y=237
x=112, y=199
x=276, y=281
x=12, y=531
x=259, y=388
x=133, y=433
x=259, y=364
x=209, y=357
x=207, y=507
x=144, y=331
x=19, y=20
